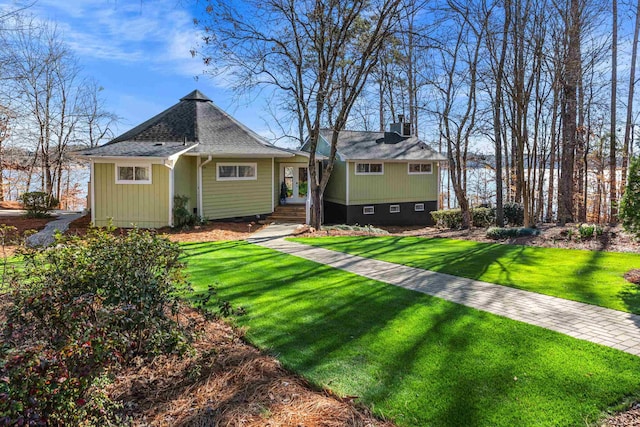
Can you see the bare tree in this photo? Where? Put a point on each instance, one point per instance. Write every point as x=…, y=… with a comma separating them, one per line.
x=632, y=80
x=320, y=53
x=614, y=84
x=572, y=71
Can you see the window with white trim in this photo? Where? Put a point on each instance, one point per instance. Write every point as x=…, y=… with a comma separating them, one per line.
x=394, y=209
x=369, y=169
x=418, y=207
x=368, y=210
x=236, y=171
x=133, y=174
x=420, y=168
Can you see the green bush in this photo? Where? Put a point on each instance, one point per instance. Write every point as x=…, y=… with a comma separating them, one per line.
x=452, y=218
x=79, y=307
x=483, y=217
x=182, y=218
x=500, y=233
x=587, y=231
x=38, y=204
x=513, y=213
x=629, y=208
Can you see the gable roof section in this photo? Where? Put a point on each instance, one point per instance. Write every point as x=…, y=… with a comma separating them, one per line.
x=364, y=145
x=194, y=124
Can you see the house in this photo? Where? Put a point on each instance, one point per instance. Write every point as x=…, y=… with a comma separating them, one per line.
x=196, y=150
x=192, y=149
x=381, y=178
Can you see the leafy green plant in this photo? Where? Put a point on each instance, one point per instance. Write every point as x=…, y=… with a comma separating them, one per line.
x=38, y=204
x=483, y=217
x=182, y=218
x=629, y=208
x=586, y=231
x=452, y=218
x=499, y=233
x=513, y=213
x=79, y=307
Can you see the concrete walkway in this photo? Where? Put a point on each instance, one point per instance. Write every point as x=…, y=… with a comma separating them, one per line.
x=604, y=326
x=45, y=237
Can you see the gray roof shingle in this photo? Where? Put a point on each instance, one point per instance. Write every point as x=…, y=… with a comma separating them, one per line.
x=199, y=122
x=364, y=145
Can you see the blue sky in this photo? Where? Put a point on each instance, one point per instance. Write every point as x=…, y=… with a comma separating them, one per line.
x=139, y=51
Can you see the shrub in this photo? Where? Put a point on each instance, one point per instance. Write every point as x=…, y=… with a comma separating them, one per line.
x=483, y=217
x=629, y=208
x=79, y=307
x=182, y=218
x=500, y=233
x=513, y=213
x=38, y=204
x=587, y=231
x=452, y=218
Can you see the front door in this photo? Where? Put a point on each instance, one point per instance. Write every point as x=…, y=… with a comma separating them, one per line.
x=296, y=179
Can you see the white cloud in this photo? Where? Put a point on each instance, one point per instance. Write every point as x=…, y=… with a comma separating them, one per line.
x=158, y=34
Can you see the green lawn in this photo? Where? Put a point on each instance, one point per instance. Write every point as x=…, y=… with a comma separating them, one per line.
x=594, y=277
x=416, y=359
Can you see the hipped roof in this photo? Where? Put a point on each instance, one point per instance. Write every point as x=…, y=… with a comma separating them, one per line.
x=195, y=124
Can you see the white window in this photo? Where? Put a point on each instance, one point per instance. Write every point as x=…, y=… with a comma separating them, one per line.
x=369, y=169
x=420, y=168
x=236, y=171
x=133, y=174
x=418, y=207
x=394, y=209
x=368, y=210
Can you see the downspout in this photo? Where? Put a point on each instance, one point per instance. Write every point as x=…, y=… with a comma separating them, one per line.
x=307, y=209
x=201, y=164
x=92, y=192
x=171, y=194
x=273, y=184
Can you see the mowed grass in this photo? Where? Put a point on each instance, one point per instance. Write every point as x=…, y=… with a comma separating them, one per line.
x=416, y=359
x=593, y=277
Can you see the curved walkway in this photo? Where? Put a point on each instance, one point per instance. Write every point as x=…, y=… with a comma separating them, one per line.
x=588, y=322
x=45, y=237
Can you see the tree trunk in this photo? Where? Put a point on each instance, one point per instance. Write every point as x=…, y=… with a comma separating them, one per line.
x=632, y=79
x=613, y=191
x=570, y=85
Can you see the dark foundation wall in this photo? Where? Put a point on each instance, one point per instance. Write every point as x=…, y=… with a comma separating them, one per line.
x=335, y=213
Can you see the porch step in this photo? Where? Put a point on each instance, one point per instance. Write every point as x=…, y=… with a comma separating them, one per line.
x=289, y=213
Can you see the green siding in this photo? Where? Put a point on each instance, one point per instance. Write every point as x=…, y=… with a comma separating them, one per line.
x=185, y=175
x=336, y=190
x=143, y=205
x=228, y=199
x=395, y=186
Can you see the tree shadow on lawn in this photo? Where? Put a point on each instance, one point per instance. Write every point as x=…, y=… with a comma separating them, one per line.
x=459, y=258
x=517, y=266
x=418, y=359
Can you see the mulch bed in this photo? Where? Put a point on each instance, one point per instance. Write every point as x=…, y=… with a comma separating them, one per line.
x=228, y=383
x=208, y=232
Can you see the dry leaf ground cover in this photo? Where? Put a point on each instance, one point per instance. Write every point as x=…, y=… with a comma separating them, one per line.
x=415, y=359
x=227, y=382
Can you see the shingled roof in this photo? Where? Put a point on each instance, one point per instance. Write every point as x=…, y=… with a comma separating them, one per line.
x=195, y=124
x=364, y=145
